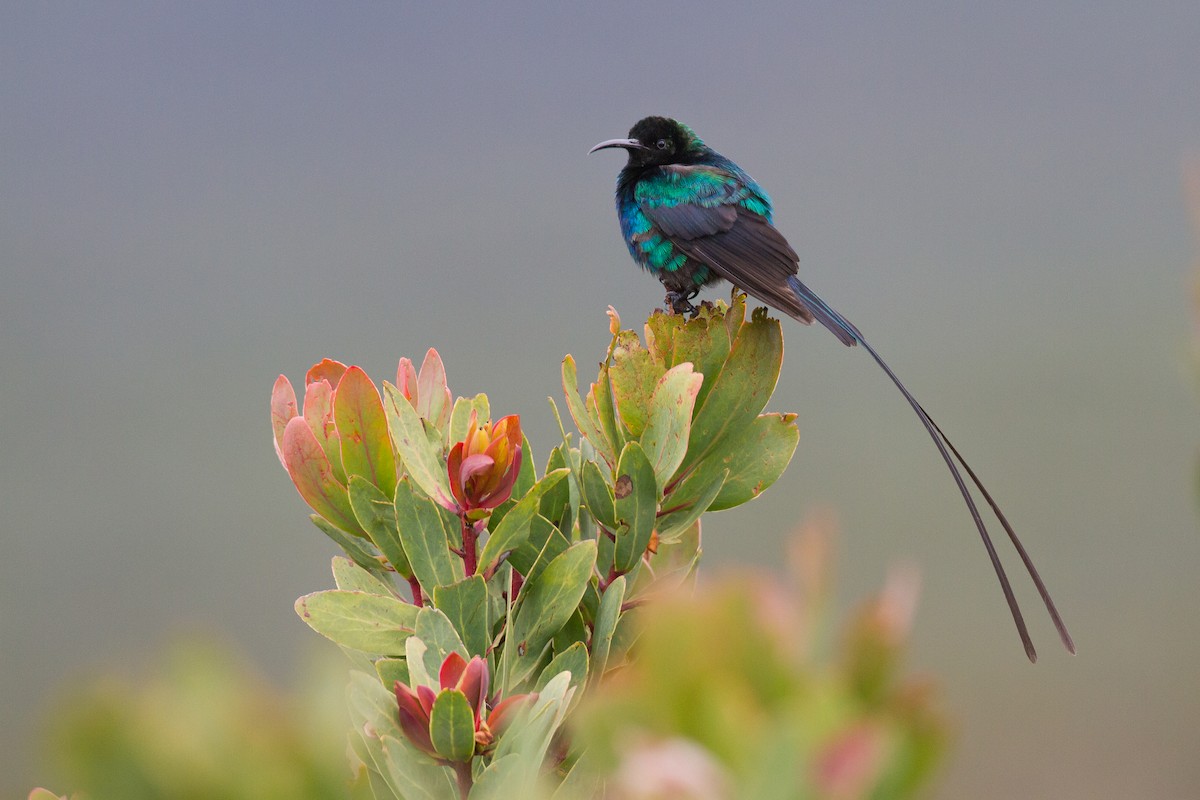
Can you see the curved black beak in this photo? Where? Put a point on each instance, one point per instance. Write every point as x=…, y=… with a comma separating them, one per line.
x=628, y=144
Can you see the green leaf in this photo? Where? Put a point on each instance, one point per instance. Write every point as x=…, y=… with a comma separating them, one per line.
x=604, y=411
x=460, y=417
x=754, y=458
x=367, y=622
x=704, y=341
x=598, y=495
x=503, y=779
x=363, y=430
x=544, y=544
x=419, y=674
x=636, y=492
x=742, y=388
x=527, y=477
x=633, y=374
x=555, y=500
x=391, y=670
x=531, y=731
x=513, y=530
x=366, y=706
x=606, y=552
x=311, y=471
x=690, y=501
x=573, y=660
x=359, y=550
x=465, y=604
x=583, y=420
x=353, y=578
x=437, y=633
x=547, y=602
x=606, y=625
x=452, y=726
x=426, y=532
x=580, y=782
x=372, y=703
x=422, y=458
x=414, y=775
x=573, y=631
x=376, y=513
x=665, y=439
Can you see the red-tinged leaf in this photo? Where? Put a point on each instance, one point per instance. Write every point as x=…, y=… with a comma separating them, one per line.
x=363, y=432
x=414, y=720
x=452, y=669
x=474, y=684
x=325, y=370
x=407, y=700
x=318, y=413
x=426, y=696
x=311, y=472
x=506, y=710
x=283, y=408
x=474, y=465
x=433, y=395
x=503, y=489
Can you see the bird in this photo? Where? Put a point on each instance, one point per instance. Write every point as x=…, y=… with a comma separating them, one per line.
x=692, y=217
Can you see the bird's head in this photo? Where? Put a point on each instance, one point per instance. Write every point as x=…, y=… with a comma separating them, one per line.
x=657, y=141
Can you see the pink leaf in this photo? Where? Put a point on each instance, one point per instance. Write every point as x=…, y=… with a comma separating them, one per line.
x=309, y=467
x=283, y=408
x=433, y=396
x=318, y=413
x=406, y=381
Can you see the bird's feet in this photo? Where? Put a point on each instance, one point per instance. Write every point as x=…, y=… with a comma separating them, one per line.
x=681, y=302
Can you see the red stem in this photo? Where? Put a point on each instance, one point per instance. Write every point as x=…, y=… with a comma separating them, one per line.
x=415, y=586
x=470, y=538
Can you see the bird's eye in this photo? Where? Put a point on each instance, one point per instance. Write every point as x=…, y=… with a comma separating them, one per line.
x=662, y=144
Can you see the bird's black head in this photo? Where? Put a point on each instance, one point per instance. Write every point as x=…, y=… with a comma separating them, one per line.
x=656, y=141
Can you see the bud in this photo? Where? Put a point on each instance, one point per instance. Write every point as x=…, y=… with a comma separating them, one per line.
x=483, y=467
x=468, y=678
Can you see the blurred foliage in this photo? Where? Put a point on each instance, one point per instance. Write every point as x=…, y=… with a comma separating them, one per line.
x=201, y=727
x=731, y=692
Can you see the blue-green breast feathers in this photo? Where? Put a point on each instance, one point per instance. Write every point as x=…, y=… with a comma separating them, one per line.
x=683, y=202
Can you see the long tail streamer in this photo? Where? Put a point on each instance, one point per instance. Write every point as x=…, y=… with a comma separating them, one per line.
x=850, y=335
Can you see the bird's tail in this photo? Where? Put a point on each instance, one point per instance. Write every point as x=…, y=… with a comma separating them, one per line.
x=838, y=325
x=849, y=335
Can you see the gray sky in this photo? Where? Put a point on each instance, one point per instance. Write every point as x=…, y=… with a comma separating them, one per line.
x=196, y=198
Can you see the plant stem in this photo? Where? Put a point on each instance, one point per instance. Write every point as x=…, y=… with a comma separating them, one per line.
x=470, y=538
x=415, y=587
x=462, y=771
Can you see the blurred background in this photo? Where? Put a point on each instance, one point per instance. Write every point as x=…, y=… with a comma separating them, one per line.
x=196, y=198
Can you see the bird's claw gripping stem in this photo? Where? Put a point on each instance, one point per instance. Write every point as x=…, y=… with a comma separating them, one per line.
x=680, y=302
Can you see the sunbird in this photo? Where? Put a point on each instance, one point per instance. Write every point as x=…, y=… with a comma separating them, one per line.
x=691, y=217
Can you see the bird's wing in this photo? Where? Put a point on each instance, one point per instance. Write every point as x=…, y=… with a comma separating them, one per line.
x=712, y=216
